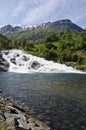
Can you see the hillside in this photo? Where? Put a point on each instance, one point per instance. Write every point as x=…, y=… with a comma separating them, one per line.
x=4, y=42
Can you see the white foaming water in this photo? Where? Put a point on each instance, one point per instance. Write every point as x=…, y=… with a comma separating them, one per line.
x=26, y=63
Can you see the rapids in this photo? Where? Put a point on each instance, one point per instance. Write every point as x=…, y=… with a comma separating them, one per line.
x=26, y=63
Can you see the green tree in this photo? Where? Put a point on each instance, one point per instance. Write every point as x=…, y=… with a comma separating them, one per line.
x=51, y=38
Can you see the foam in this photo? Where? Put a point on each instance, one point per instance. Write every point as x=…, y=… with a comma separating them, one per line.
x=26, y=63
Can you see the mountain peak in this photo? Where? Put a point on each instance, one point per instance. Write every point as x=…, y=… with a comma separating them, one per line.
x=59, y=24
x=64, y=20
x=65, y=24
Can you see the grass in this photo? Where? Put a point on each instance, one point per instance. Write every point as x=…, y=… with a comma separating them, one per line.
x=3, y=127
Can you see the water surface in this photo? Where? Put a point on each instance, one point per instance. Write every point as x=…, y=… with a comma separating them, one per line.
x=57, y=99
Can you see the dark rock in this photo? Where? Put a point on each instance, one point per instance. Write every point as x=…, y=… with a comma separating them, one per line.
x=0, y=91
x=25, y=58
x=4, y=65
x=36, y=125
x=29, y=129
x=35, y=65
x=17, y=55
x=20, y=128
x=13, y=111
x=16, y=122
x=0, y=56
x=13, y=60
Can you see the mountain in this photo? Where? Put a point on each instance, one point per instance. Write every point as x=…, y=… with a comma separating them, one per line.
x=8, y=29
x=60, y=25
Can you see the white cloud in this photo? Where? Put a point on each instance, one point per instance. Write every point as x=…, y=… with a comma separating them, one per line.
x=42, y=11
x=77, y=12
x=1, y=16
x=39, y=11
x=20, y=7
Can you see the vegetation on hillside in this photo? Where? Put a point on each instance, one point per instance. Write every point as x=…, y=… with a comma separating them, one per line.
x=4, y=42
x=63, y=47
x=36, y=33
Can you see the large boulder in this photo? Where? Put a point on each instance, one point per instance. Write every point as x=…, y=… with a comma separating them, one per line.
x=4, y=65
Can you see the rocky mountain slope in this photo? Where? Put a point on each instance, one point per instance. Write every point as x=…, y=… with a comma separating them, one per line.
x=59, y=25
x=12, y=29
x=62, y=25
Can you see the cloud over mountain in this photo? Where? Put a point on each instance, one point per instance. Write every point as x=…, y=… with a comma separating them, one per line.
x=39, y=11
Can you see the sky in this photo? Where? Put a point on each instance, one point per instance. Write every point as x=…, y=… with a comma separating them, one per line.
x=33, y=12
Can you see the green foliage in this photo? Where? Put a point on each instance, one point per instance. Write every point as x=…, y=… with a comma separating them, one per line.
x=4, y=42
x=29, y=46
x=51, y=38
x=3, y=127
x=80, y=60
x=37, y=34
x=50, y=46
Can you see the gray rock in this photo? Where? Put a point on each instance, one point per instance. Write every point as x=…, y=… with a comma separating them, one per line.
x=13, y=60
x=35, y=65
x=2, y=119
x=4, y=65
x=24, y=58
x=16, y=119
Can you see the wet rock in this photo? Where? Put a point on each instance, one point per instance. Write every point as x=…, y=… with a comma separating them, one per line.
x=35, y=65
x=1, y=91
x=0, y=55
x=25, y=58
x=6, y=52
x=13, y=60
x=4, y=65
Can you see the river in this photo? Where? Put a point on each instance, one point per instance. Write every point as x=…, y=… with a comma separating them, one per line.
x=56, y=99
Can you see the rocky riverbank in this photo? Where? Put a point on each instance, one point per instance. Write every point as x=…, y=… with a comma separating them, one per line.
x=15, y=117
x=4, y=65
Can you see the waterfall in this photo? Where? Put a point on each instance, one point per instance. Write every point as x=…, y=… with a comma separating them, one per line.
x=26, y=63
